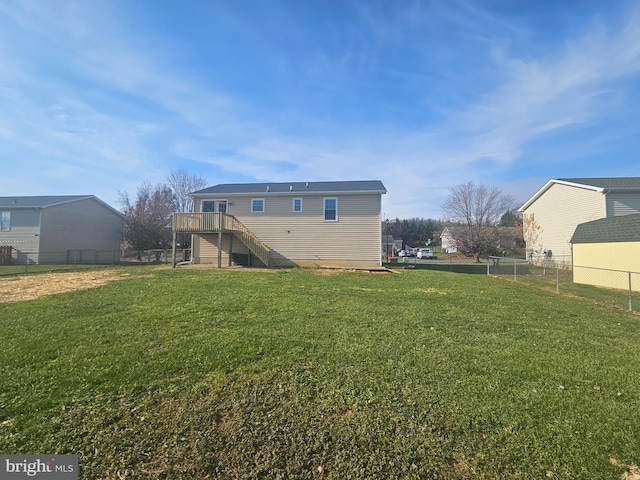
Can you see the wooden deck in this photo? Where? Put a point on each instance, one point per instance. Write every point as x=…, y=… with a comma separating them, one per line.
x=220, y=223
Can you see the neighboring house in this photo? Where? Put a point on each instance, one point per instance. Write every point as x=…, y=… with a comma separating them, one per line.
x=507, y=238
x=387, y=244
x=60, y=229
x=447, y=241
x=287, y=224
x=562, y=204
x=605, y=250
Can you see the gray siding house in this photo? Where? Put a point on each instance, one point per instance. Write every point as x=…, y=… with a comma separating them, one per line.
x=562, y=204
x=309, y=224
x=60, y=229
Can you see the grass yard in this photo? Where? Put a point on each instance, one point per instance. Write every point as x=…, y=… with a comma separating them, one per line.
x=309, y=374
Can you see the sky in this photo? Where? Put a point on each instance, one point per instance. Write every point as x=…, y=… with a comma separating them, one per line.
x=98, y=97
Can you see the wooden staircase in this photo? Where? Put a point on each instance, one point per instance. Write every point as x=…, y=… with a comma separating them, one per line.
x=253, y=243
x=216, y=222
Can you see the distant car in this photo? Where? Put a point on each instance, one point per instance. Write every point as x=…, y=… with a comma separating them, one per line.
x=402, y=253
x=425, y=253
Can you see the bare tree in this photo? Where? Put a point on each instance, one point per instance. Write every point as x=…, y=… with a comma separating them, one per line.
x=148, y=217
x=183, y=183
x=477, y=211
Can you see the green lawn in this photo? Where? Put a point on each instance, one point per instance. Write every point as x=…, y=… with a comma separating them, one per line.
x=303, y=374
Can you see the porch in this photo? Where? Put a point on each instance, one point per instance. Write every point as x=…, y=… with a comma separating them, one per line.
x=221, y=224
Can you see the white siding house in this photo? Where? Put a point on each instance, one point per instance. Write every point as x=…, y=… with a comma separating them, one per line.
x=309, y=224
x=60, y=229
x=562, y=204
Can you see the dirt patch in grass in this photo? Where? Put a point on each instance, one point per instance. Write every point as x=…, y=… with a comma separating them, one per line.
x=632, y=473
x=29, y=287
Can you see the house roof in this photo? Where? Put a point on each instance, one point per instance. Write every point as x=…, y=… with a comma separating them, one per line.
x=603, y=185
x=613, y=229
x=356, y=186
x=607, y=183
x=45, y=201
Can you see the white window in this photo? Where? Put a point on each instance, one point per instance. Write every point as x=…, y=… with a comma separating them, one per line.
x=331, y=209
x=257, y=205
x=297, y=205
x=5, y=221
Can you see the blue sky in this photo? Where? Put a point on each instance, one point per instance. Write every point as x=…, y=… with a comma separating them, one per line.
x=97, y=97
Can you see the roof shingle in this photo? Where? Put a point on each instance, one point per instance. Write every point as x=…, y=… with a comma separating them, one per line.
x=613, y=183
x=613, y=229
x=38, y=201
x=356, y=186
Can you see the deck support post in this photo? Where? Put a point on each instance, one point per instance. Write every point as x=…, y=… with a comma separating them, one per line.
x=220, y=248
x=230, y=249
x=173, y=251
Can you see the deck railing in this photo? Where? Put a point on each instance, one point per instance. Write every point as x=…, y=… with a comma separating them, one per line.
x=207, y=222
x=215, y=222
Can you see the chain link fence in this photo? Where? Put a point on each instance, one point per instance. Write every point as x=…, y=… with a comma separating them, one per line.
x=24, y=262
x=613, y=288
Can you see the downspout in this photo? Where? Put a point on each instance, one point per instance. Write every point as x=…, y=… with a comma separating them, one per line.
x=605, y=191
x=39, y=234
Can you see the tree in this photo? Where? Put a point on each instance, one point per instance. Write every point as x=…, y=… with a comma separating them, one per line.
x=183, y=183
x=531, y=232
x=476, y=210
x=148, y=218
x=509, y=219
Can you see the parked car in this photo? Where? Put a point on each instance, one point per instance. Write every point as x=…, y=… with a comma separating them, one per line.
x=402, y=253
x=425, y=253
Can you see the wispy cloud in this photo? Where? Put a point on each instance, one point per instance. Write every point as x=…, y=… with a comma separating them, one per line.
x=423, y=95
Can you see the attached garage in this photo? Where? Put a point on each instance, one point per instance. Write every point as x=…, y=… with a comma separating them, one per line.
x=606, y=252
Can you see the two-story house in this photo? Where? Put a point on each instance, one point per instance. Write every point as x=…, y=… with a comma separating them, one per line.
x=562, y=204
x=60, y=229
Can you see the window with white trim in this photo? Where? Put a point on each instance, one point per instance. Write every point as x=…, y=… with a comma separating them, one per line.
x=219, y=206
x=331, y=209
x=5, y=221
x=297, y=205
x=257, y=205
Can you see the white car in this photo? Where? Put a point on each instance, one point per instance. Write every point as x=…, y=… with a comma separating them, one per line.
x=402, y=253
x=425, y=253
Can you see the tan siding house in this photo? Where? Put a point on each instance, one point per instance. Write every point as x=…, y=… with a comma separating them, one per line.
x=562, y=204
x=308, y=224
x=60, y=229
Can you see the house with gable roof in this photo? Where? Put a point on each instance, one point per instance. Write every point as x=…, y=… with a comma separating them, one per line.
x=60, y=228
x=564, y=203
x=285, y=224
